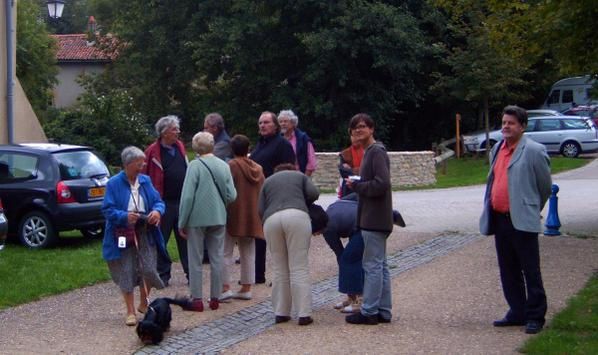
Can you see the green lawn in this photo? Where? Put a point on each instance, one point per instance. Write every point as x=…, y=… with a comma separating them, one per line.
x=574, y=330
x=472, y=171
x=27, y=275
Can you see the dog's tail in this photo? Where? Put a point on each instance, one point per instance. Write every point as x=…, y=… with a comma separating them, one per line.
x=183, y=302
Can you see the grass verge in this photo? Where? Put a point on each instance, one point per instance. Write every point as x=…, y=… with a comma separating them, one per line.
x=574, y=330
x=28, y=275
x=473, y=171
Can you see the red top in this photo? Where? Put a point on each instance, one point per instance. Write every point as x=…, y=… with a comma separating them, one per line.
x=500, y=185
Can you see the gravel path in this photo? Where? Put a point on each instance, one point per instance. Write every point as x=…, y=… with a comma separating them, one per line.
x=445, y=306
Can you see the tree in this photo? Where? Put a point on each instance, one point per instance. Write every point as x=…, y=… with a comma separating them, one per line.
x=105, y=120
x=36, y=57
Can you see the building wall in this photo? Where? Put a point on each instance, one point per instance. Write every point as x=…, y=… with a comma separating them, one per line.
x=407, y=169
x=67, y=90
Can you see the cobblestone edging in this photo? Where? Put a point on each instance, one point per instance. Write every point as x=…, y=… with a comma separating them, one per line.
x=217, y=335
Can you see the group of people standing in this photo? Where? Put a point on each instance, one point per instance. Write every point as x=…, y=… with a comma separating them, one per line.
x=211, y=203
x=224, y=197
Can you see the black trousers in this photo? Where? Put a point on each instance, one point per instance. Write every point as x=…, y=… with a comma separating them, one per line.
x=260, y=261
x=519, y=263
x=169, y=223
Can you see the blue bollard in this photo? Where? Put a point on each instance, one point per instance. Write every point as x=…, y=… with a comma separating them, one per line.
x=552, y=220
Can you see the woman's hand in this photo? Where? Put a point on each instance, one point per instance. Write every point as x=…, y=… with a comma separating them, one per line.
x=153, y=218
x=132, y=218
x=183, y=233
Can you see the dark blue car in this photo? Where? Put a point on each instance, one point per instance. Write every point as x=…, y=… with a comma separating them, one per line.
x=48, y=188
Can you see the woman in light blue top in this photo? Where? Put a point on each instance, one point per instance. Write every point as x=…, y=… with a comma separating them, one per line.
x=207, y=190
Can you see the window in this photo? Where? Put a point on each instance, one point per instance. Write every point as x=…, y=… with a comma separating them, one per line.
x=80, y=165
x=554, y=97
x=575, y=124
x=548, y=125
x=17, y=166
x=567, y=96
x=531, y=124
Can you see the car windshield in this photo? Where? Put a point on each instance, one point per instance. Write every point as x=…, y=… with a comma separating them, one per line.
x=80, y=165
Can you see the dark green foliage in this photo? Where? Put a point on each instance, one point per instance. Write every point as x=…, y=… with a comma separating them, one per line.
x=36, y=64
x=106, y=121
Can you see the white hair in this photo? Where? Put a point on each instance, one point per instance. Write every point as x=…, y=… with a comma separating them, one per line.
x=290, y=115
x=165, y=123
x=203, y=143
x=131, y=153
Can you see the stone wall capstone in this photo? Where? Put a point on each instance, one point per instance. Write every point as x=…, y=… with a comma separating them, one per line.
x=406, y=169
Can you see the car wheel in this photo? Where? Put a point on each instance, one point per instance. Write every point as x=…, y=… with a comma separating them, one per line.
x=93, y=232
x=570, y=149
x=36, y=230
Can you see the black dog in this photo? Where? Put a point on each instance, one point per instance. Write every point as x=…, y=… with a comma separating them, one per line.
x=157, y=319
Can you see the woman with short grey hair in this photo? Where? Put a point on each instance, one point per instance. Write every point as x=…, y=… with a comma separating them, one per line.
x=203, y=143
x=207, y=190
x=132, y=240
x=166, y=123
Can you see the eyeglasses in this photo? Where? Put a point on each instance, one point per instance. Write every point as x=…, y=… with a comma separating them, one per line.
x=360, y=126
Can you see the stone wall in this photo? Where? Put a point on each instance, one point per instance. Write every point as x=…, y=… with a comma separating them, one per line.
x=407, y=169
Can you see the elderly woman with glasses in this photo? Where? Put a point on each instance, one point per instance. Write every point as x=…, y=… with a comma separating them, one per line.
x=132, y=240
x=207, y=191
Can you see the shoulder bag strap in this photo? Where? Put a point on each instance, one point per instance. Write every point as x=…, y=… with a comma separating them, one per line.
x=214, y=180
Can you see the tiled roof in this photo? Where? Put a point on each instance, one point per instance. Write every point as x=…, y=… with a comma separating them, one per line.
x=75, y=48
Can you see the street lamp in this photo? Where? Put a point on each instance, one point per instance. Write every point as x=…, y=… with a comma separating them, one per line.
x=55, y=8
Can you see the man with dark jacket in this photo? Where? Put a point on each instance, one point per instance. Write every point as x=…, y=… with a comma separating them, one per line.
x=375, y=220
x=166, y=165
x=270, y=151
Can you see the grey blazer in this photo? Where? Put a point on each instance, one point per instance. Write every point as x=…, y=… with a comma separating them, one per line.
x=529, y=187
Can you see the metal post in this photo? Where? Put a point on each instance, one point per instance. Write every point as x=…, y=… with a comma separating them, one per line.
x=10, y=71
x=552, y=220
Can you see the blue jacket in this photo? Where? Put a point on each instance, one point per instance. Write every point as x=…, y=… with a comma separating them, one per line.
x=301, y=148
x=529, y=187
x=114, y=208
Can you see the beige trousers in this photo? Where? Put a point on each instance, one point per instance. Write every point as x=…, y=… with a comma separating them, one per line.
x=288, y=234
x=246, y=255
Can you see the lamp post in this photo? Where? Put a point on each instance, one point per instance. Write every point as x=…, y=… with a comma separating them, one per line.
x=55, y=8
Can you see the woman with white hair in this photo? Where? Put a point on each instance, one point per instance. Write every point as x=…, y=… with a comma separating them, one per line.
x=305, y=154
x=132, y=240
x=207, y=190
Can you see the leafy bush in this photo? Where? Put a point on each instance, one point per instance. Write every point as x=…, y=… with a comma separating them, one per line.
x=108, y=122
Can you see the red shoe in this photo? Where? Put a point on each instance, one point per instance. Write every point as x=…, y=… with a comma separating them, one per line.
x=196, y=305
x=214, y=304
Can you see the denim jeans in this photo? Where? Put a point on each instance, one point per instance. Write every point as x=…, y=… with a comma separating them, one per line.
x=377, y=298
x=350, y=271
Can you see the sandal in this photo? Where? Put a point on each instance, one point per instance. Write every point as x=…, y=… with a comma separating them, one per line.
x=142, y=309
x=131, y=320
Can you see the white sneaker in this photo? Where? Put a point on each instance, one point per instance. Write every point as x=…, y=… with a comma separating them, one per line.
x=226, y=296
x=343, y=304
x=354, y=307
x=242, y=295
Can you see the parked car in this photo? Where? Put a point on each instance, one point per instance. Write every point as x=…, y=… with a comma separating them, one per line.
x=566, y=135
x=48, y=188
x=475, y=142
x=3, y=226
x=590, y=111
x=537, y=113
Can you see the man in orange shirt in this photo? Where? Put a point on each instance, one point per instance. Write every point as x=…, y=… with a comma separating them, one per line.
x=518, y=186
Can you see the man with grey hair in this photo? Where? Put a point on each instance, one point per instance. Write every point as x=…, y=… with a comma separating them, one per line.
x=167, y=162
x=303, y=146
x=214, y=124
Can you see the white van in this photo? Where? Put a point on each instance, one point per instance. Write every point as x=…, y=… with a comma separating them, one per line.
x=570, y=92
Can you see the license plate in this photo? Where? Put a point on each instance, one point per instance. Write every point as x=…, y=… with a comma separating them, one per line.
x=95, y=192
